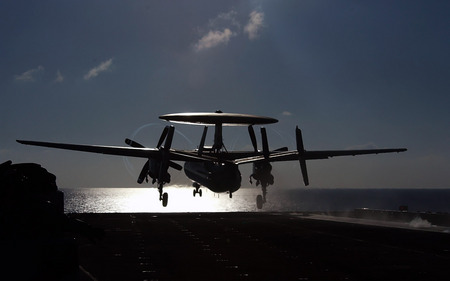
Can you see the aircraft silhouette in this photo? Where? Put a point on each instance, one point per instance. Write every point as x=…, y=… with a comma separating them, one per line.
x=213, y=166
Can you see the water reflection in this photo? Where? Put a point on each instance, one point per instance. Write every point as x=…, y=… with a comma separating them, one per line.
x=124, y=200
x=127, y=200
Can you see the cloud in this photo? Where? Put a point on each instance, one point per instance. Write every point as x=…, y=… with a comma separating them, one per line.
x=59, y=78
x=30, y=75
x=286, y=113
x=254, y=25
x=213, y=39
x=225, y=20
x=102, y=67
x=226, y=25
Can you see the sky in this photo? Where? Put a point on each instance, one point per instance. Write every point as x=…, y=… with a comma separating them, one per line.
x=350, y=74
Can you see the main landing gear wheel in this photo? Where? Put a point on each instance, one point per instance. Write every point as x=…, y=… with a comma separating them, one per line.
x=165, y=198
x=259, y=201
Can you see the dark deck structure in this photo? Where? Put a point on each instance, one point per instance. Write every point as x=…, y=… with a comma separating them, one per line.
x=257, y=246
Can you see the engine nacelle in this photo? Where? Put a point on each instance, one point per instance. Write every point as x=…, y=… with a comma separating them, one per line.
x=262, y=173
x=154, y=170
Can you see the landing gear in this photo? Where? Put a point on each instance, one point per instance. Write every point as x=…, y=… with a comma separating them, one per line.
x=164, y=197
x=259, y=202
x=231, y=194
x=261, y=199
x=199, y=192
x=197, y=189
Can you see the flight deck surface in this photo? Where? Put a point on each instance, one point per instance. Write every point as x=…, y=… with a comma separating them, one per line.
x=257, y=246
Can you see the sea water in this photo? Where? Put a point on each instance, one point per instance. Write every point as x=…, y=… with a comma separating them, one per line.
x=181, y=199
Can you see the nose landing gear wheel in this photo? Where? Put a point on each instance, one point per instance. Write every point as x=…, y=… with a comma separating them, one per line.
x=197, y=189
x=259, y=201
x=199, y=192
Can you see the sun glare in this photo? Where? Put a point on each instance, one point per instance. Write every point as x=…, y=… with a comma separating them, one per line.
x=181, y=199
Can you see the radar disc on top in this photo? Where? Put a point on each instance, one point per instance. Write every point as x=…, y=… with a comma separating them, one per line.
x=218, y=117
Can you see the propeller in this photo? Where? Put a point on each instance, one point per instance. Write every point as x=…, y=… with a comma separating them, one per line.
x=145, y=169
x=165, y=151
x=202, y=141
x=168, y=130
x=163, y=136
x=251, y=132
x=132, y=143
x=144, y=172
x=301, y=155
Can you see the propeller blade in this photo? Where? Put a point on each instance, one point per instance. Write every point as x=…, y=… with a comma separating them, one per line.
x=301, y=155
x=202, y=141
x=132, y=143
x=163, y=136
x=176, y=166
x=144, y=172
x=169, y=138
x=170, y=132
x=251, y=132
x=265, y=143
x=165, y=151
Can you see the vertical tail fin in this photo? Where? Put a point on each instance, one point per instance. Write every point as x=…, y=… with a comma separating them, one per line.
x=301, y=155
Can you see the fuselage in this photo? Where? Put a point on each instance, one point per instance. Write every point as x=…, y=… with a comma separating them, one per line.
x=218, y=177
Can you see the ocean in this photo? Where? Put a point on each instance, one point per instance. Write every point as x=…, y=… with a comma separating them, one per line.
x=145, y=200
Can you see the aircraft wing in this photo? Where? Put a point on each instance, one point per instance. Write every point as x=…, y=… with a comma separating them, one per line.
x=311, y=155
x=140, y=152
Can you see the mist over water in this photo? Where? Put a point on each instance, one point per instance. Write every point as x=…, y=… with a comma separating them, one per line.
x=125, y=200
